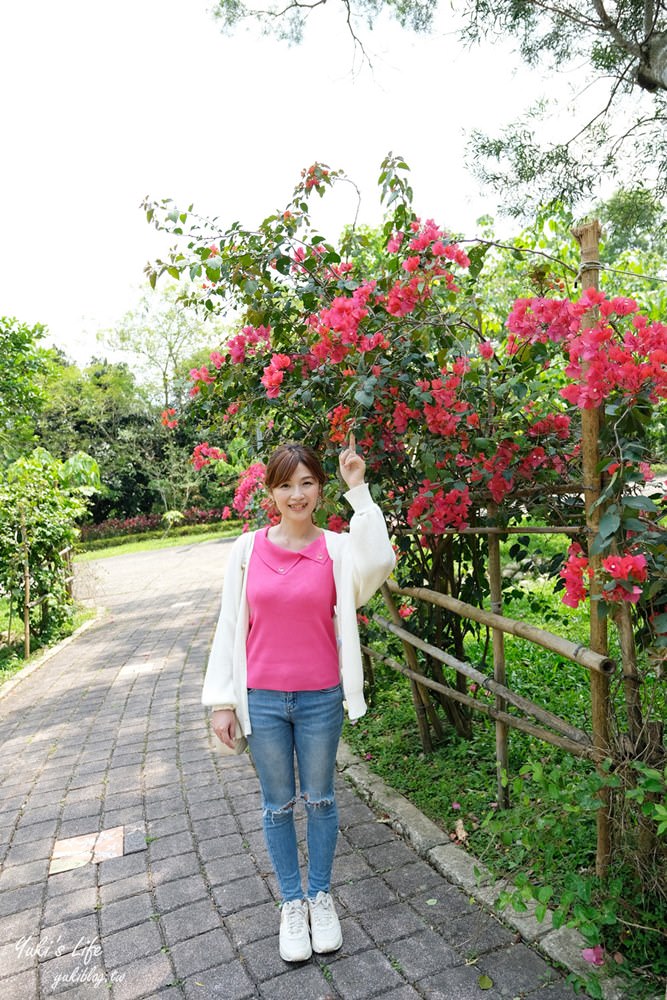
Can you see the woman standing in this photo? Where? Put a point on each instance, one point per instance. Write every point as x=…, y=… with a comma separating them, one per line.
x=286, y=658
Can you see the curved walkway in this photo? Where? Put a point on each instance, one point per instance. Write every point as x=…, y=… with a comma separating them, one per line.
x=176, y=898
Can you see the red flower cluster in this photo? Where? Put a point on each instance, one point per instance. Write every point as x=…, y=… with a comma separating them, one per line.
x=574, y=572
x=250, y=341
x=204, y=454
x=168, y=418
x=626, y=572
x=249, y=483
x=602, y=359
x=622, y=575
x=339, y=424
x=274, y=373
x=433, y=510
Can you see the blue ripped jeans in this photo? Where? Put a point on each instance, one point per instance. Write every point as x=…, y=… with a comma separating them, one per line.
x=310, y=723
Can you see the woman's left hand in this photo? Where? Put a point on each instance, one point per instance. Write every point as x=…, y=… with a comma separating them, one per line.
x=352, y=466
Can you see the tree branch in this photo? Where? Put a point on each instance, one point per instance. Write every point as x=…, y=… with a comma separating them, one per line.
x=610, y=26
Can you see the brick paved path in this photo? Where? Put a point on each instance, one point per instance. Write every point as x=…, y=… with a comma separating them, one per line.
x=109, y=733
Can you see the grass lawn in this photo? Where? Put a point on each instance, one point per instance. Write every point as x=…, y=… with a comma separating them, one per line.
x=135, y=543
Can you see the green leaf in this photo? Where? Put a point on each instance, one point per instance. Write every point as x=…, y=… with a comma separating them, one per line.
x=364, y=398
x=640, y=503
x=485, y=982
x=609, y=523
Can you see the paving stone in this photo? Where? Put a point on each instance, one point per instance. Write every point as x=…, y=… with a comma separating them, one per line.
x=402, y=993
x=355, y=939
x=218, y=826
x=241, y=893
x=16, y=876
x=120, y=868
x=422, y=954
x=18, y=956
x=306, y=981
x=476, y=934
x=369, y=894
x=461, y=983
x=142, y=978
x=20, y=924
x=162, y=805
x=201, y=952
x=388, y=856
x=226, y=982
x=414, y=879
x=263, y=960
x=180, y=891
x=251, y=925
x=223, y=870
x=134, y=837
x=127, y=945
x=443, y=904
x=31, y=850
x=370, y=834
x=391, y=922
x=222, y=847
x=124, y=887
x=516, y=968
x=21, y=987
x=364, y=975
x=250, y=821
x=207, y=810
x=350, y=868
x=68, y=936
x=22, y=898
x=197, y=918
x=60, y=974
x=168, y=869
x=172, y=845
x=166, y=825
x=123, y=913
x=79, y=903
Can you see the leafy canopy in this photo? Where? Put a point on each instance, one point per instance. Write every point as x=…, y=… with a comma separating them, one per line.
x=619, y=48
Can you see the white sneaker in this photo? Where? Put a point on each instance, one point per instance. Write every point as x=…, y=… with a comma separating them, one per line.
x=324, y=924
x=294, y=935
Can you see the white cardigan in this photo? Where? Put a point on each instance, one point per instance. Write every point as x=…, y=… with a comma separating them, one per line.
x=362, y=560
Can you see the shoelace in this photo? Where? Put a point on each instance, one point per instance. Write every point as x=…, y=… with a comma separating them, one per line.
x=322, y=910
x=295, y=917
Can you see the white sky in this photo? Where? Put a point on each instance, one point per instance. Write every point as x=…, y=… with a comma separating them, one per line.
x=104, y=103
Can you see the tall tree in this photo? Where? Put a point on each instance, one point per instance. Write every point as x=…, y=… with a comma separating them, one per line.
x=618, y=45
x=158, y=337
x=22, y=360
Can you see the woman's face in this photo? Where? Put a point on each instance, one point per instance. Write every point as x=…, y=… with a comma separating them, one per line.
x=297, y=497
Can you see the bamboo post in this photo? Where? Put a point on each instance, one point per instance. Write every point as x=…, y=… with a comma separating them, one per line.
x=26, y=588
x=631, y=680
x=499, y=673
x=420, y=697
x=588, y=237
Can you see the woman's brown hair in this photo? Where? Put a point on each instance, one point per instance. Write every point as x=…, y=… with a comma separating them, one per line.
x=284, y=461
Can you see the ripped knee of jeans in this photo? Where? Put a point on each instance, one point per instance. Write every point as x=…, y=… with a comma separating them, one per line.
x=312, y=803
x=274, y=816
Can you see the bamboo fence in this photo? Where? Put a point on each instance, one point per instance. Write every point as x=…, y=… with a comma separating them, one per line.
x=543, y=724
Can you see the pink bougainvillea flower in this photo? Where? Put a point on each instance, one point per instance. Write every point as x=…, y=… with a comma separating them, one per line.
x=593, y=955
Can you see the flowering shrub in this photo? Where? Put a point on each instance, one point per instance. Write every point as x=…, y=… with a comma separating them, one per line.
x=383, y=335
x=149, y=522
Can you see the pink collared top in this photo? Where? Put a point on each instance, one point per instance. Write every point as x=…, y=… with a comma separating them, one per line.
x=291, y=643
